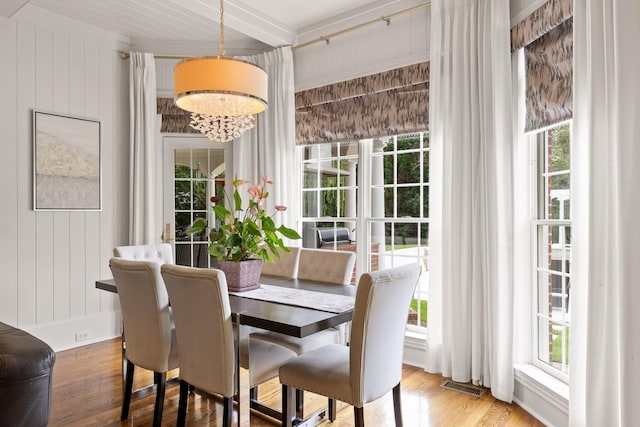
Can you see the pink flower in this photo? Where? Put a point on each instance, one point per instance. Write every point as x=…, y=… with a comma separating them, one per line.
x=266, y=180
x=215, y=199
x=281, y=208
x=255, y=191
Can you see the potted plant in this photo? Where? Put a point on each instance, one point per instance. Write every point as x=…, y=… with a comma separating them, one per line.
x=246, y=237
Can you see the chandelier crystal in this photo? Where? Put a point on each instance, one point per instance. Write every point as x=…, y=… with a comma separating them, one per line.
x=222, y=93
x=222, y=128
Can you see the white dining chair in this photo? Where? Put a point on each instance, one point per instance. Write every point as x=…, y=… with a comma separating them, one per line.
x=285, y=266
x=147, y=322
x=160, y=253
x=372, y=364
x=327, y=266
x=202, y=313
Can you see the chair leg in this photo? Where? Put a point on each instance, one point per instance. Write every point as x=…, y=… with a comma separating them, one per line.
x=358, y=415
x=128, y=386
x=288, y=410
x=160, y=379
x=397, y=406
x=300, y=404
x=227, y=411
x=182, y=404
x=333, y=409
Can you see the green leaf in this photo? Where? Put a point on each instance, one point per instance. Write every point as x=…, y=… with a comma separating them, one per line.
x=197, y=227
x=289, y=233
x=237, y=200
x=221, y=212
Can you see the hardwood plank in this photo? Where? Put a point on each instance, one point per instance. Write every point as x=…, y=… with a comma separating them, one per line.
x=87, y=391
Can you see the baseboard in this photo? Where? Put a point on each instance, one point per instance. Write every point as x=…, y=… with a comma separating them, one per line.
x=79, y=331
x=415, y=350
x=543, y=396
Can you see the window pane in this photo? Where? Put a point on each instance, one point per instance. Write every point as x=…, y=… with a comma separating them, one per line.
x=389, y=202
x=202, y=236
x=329, y=200
x=200, y=195
x=183, y=195
x=310, y=204
x=560, y=146
x=389, y=170
x=408, y=202
x=408, y=142
x=182, y=222
x=310, y=178
x=408, y=168
x=425, y=167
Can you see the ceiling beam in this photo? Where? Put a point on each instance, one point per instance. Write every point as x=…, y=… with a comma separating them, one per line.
x=241, y=17
x=8, y=8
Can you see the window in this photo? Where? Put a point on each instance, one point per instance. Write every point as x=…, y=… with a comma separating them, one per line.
x=193, y=182
x=387, y=222
x=552, y=258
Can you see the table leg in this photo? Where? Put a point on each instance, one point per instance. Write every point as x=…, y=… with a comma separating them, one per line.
x=242, y=375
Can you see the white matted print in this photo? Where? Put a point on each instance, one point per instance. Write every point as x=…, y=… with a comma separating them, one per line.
x=66, y=162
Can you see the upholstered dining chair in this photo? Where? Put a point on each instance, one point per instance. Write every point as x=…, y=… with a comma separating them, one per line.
x=372, y=364
x=326, y=265
x=202, y=313
x=160, y=253
x=320, y=265
x=285, y=266
x=147, y=322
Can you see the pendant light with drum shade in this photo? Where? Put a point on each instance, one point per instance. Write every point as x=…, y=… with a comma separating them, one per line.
x=223, y=94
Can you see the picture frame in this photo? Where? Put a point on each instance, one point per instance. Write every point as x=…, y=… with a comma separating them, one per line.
x=67, y=167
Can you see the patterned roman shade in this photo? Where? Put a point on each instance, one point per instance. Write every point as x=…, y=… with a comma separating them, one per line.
x=388, y=103
x=174, y=119
x=547, y=38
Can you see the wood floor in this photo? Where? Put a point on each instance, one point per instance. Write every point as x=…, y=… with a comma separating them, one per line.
x=87, y=391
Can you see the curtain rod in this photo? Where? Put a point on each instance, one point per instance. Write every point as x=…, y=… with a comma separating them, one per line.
x=125, y=55
x=386, y=19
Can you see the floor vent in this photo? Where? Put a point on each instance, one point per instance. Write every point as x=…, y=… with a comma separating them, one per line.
x=463, y=388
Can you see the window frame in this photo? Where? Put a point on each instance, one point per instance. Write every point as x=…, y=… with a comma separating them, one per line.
x=538, y=205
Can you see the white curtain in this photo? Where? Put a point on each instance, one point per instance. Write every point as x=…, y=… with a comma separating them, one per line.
x=470, y=331
x=605, y=342
x=269, y=148
x=144, y=204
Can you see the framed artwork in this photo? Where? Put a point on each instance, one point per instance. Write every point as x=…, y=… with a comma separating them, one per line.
x=66, y=162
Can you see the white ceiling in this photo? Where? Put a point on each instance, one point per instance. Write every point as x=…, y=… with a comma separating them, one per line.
x=250, y=25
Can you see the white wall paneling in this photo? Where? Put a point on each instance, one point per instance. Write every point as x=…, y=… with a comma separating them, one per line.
x=8, y=174
x=50, y=260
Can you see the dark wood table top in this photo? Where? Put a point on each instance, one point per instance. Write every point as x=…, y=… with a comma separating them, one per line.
x=286, y=319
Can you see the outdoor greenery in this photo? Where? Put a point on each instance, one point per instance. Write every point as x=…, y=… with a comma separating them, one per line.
x=422, y=310
x=556, y=346
x=407, y=203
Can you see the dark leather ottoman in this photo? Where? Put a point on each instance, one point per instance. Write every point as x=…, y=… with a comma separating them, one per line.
x=26, y=365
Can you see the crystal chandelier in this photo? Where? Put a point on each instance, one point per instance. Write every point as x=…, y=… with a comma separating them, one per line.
x=222, y=93
x=222, y=128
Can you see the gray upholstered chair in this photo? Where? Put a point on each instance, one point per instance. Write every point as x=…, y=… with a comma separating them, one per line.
x=285, y=266
x=160, y=253
x=147, y=322
x=372, y=364
x=320, y=265
x=326, y=266
x=200, y=302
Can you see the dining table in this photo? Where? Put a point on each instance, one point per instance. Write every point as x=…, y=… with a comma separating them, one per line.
x=288, y=306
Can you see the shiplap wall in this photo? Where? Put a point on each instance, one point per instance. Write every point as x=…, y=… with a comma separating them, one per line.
x=50, y=260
